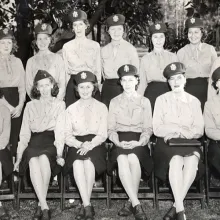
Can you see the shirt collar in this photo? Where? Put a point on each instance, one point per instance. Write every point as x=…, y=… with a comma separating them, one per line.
x=199, y=46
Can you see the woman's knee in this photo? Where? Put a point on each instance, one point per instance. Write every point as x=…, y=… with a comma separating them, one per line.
x=33, y=161
x=191, y=161
x=176, y=162
x=122, y=160
x=133, y=160
x=43, y=158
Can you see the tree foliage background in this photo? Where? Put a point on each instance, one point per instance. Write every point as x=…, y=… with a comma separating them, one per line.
x=139, y=15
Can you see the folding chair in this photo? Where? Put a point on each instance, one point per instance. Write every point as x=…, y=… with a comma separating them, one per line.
x=212, y=190
x=146, y=189
x=196, y=192
x=26, y=191
x=70, y=190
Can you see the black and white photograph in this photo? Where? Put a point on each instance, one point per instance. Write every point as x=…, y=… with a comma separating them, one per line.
x=110, y=109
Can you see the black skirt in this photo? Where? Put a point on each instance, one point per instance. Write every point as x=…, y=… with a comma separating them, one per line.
x=214, y=154
x=155, y=89
x=6, y=161
x=41, y=143
x=97, y=155
x=198, y=87
x=12, y=96
x=142, y=152
x=71, y=94
x=163, y=153
x=110, y=89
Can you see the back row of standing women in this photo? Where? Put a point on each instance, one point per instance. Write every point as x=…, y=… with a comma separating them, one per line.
x=83, y=56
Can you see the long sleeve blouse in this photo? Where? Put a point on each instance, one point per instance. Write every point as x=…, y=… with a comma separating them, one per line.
x=84, y=119
x=5, y=126
x=39, y=116
x=175, y=115
x=130, y=114
x=212, y=118
x=12, y=74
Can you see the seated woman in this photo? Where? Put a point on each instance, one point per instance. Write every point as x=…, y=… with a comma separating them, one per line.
x=130, y=128
x=177, y=114
x=36, y=147
x=6, y=165
x=212, y=122
x=85, y=134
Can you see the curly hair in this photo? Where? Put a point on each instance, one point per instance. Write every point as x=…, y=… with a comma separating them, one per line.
x=14, y=45
x=86, y=22
x=151, y=46
x=215, y=87
x=136, y=76
x=34, y=43
x=96, y=88
x=35, y=93
x=1, y=93
x=124, y=31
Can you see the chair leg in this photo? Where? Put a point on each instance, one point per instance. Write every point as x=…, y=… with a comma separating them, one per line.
x=156, y=193
x=153, y=186
x=108, y=183
x=61, y=191
x=18, y=193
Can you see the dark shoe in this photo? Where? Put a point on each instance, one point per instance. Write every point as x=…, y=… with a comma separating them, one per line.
x=139, y=213
x=4, y=214
x=126, y=210
x=45, y=214
x=89, y=212
x=171, y=214
x=180, y=215
x=38, y=213
x=81, y=213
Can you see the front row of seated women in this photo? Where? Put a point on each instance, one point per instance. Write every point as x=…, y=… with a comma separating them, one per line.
x=85, y=125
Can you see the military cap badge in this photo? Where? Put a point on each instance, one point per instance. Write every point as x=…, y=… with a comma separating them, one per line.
x=115, y=18
x=157, y=26
x=75, y=14
x=126, y=68
x=192, y=20
x=173, y=67
x=83, y=75
x=43, y=27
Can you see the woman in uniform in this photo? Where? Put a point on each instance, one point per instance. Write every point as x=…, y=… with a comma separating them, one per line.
x=6, y=165
x=85, y=134
x=80, y=54
x=152, y=81
x=211, y=89
x=114, y=55
x=12, y=83
x=36, y=147
x=45, y=60
x=130, y=128
x=198, y=58
x=212, y=122
x=177, y=114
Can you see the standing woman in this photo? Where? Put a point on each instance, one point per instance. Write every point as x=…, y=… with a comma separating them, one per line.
x=177, y=114
x=152, y=81
x=130, y=128
x=12, y=83
x=6, y=165
x=86, y=131
x=45, y=60
x=198, y=58
x=80, y=54
x=212, y=122
x=114, y=55
x=36, y=147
